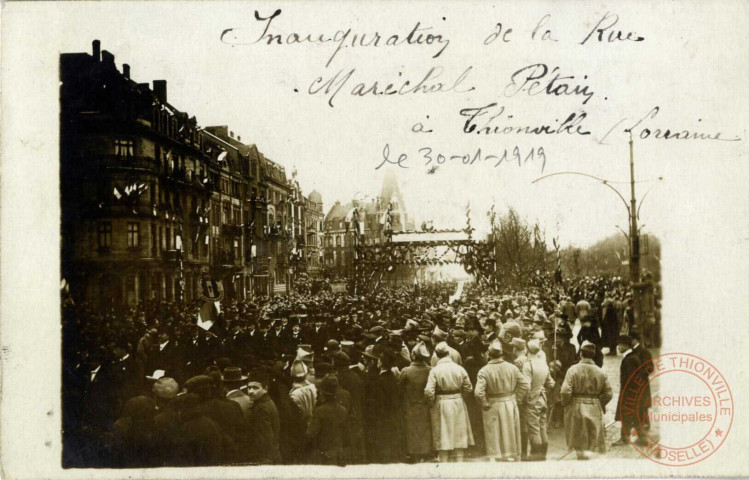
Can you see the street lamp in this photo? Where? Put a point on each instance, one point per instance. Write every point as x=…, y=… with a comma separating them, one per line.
x=633, y=214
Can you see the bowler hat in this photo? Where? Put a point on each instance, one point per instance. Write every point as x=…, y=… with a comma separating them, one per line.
x=233, y=374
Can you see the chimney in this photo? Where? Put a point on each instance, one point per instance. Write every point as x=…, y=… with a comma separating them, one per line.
x=126, y=70
x=159, y=89
x=231, y=134
x=107, y=58
x=97, y=50
x=239, y=139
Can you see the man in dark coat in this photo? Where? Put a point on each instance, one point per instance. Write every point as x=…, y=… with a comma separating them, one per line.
x=264, y=421
x=200, y=438
x=634, y=394
x=349, y=380
x=317, y=336
x=327, y=428
x=388, y=441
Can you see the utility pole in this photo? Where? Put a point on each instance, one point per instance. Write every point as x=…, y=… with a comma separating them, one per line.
x=634, y=248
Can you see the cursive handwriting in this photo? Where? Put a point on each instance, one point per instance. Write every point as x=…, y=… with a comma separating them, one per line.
x=435, y=159
x=644, y=130
x=571, y=125
x=534, y=80
x=606, y=26
x=418, y=35
x=430, y=83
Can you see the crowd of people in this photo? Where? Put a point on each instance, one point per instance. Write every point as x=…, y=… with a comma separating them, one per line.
x=402, y=374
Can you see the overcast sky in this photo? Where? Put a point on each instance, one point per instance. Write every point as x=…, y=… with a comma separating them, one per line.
x=250, y=88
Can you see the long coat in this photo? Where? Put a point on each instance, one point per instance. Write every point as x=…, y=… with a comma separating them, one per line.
x=585, y=393
x=451, y=427
x=637, y=382
x=265, y=426
x=327, y=432
x=499, y=388
x=387, y=432
x=413, y=381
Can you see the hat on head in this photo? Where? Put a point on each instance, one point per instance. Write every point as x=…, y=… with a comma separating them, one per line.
x=223, y=363
x=588, y=346
x=165, y=388
x=370, y=352
x=534, y=345
x=233, y=374
x=299, y=369
x=199, y=384
x=518, y=343
x=495, y=347
x=322, y=369
x=329, y=385
x=332, y=345
x=411, y=325
x=258, y=375
x=302, y=354
x=509, y=330
x=582, y=305
x=420, y=351
x=347, y=343
x=624, y=340
x=341, y=359
x=539, y=335
x=441, y=348
x=439, y=333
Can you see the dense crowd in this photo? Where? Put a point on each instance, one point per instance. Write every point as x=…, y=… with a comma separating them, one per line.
x=398, y=375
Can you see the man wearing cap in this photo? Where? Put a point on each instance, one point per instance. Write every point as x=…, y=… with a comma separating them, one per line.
x=349, y=380
x=589, y=330
x=438, y=335
x=413, y=381
x=499, y=388
x=264, y=422
x=303, y=396
x=585, y=393
x=451, y=427
x=537, y=372
x=317, y=336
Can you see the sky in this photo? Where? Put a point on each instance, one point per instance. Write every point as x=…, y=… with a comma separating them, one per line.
x=261, y=93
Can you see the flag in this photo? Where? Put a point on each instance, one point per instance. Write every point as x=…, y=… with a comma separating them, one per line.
x=206, y=239
x=154, y=211
x=457, y=294
x=117, y=193
x=178, y=242
x=222, y=156
x=207, y=315
x=383, y=218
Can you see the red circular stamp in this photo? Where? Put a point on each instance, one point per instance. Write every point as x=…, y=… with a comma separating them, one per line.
x=680, y=406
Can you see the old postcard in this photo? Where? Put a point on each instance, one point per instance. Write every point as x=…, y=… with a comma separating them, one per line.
x=374, y=239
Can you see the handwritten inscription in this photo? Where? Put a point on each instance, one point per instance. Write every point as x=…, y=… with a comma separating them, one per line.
x=486, y=120
x=429, y=83
x=543, y=80
x=418, y=35
x=434, y=159
x=536, y=79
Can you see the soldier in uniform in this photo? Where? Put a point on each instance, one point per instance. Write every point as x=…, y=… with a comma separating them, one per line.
x=499, y=387
x=451, y=427
x=585, y=393
x=536, y=371
x=413, y=380
x=303, y=396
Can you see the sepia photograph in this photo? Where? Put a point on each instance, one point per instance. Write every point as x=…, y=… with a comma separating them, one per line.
x=330, y=241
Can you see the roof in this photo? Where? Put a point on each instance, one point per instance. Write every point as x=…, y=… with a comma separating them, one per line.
x=315, y=196
x=338, y=211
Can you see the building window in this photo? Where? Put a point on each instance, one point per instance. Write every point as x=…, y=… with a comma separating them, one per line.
x=105, y=235
x=123, y=148
x=133, y=235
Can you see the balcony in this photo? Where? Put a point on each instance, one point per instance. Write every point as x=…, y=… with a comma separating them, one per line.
x=231, y=230
x=171, y=255
x=227, y=258
x=126, y=162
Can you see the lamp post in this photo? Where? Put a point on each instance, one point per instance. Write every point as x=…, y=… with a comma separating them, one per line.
x=633, y=213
